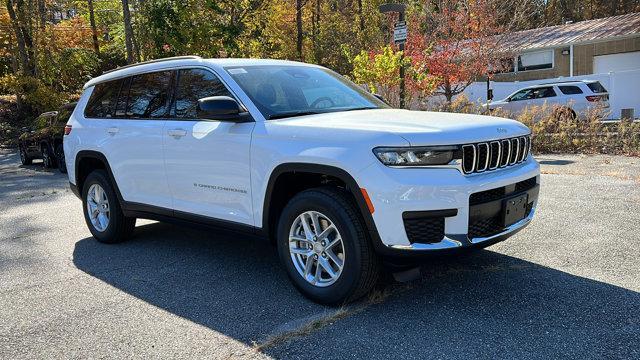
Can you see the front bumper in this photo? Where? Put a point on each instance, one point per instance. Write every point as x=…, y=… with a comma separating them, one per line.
x=395, y=192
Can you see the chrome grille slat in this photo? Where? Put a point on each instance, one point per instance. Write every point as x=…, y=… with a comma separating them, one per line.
x=482, y=158
x=488, y=156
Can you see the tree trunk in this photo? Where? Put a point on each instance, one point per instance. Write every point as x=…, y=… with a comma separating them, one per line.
x=94, y=31
x=19, y=32
x=42, y=12
x=299, y=4
x=128, y=31
x=360, y=15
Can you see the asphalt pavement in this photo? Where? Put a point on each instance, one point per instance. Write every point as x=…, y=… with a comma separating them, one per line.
x=566, y=287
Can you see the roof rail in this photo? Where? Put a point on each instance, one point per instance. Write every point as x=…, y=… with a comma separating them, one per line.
x=562, y=82
x=192, y=57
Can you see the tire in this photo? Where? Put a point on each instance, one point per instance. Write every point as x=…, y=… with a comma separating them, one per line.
x=47, y=157
x=118, y=227
x=24, y=158
x=361, y=265
x=62, y=166
x=565, y=114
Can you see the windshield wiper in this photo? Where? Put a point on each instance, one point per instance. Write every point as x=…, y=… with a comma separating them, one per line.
x=361, y=108
x=292, y=114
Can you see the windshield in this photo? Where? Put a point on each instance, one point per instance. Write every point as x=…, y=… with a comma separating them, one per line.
x=280, y=91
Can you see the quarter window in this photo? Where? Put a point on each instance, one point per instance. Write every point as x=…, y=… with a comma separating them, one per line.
x=195, y=84
x=149, y=95
x=570, y=90
x=103, y=99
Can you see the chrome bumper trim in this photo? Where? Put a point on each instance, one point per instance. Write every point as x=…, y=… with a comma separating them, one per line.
x=458, y=241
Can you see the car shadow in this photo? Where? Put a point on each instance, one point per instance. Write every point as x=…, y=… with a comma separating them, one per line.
x=474, y=306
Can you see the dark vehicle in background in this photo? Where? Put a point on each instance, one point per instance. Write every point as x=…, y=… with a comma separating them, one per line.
x=45, y=140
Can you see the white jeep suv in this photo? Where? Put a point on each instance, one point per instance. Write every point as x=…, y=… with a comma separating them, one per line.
x=338, y=180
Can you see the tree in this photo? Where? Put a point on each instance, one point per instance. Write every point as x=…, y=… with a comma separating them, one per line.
x=128, y=31
x=454, y=42
x=299, y=34
x=94, y=31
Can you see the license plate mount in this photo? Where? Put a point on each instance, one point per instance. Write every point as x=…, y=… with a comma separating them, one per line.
x=515, y=209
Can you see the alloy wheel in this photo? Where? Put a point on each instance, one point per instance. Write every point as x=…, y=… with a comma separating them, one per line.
x=98, y=207
x=316, y=248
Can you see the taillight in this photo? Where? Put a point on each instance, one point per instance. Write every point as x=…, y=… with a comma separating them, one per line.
x=593, y=98
x=67, y=129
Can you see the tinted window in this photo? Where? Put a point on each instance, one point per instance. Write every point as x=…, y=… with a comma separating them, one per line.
x=102, y=100
x=545, y=92
x=570, y=90
x=195, y=84
x=121, y=103
x=521, y=95
x=149, y=95
x=596, y=87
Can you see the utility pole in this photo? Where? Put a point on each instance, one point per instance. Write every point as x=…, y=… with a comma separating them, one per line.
x=399, y=37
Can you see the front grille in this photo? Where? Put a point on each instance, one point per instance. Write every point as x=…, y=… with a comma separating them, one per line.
x=425, y=230
x=486, y=156
x=492, y=225
x=525, y=185
x=499, y=193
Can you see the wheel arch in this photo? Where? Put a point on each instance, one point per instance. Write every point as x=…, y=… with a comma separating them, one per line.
x=89, y=160
x=270, y=209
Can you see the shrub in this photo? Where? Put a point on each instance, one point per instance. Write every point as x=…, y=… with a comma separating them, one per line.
x=556, y=131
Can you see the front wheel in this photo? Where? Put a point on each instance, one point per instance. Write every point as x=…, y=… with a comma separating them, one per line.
x=102, y=211
x=324, y=247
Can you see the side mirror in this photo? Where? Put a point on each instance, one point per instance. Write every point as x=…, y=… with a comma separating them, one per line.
x=222, y=108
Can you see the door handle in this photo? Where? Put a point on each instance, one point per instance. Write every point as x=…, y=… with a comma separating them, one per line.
x=177, y=133
x=113, y=130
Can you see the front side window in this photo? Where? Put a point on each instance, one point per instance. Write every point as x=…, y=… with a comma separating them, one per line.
x=280, y=91
x=521, y=95
x=149, y=95
x=195, y=84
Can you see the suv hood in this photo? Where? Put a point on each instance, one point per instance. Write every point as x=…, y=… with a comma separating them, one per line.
x=417, y=127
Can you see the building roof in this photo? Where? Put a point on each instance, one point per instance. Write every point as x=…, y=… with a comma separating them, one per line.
x=587, y=31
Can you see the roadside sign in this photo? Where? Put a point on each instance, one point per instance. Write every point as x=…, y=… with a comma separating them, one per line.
x=400, y=32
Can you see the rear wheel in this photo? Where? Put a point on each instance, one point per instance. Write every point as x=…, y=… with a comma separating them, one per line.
x=47, y=157
x=102, y=211
x=62, y=166
x=324, y=247
x=24, y=158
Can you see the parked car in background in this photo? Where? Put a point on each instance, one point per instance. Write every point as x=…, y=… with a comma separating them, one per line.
x=45, y=140
x=575, y=97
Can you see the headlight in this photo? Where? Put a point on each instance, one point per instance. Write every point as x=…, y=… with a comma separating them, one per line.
x=416, y=156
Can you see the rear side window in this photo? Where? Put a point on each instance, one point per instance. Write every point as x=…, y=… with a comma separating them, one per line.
x=103, y=99
x=195, y=84
x=544, y=92
x=596, y=87
x=570, y=90
x=149, y=95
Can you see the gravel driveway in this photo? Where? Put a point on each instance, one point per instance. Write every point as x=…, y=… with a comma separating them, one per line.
x=567, y=286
